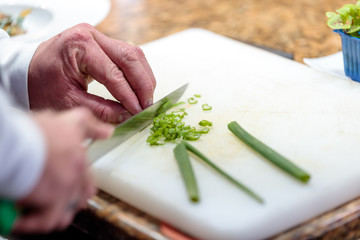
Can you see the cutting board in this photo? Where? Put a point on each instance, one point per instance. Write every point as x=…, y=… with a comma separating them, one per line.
x=311, y=118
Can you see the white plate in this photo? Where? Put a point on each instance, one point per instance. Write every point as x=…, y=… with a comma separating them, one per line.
x=50, y=17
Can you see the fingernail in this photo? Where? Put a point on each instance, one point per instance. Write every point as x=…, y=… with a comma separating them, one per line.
x=149, y=102
x=138, y=109
x=124, y=116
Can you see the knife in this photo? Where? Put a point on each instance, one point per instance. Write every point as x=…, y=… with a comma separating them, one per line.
x=98, y=148
x=133, y=125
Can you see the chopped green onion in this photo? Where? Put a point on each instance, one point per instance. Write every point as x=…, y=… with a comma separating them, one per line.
x=192, y=100
x=171, y=128
x=163, y=108
x=192, y=137
x=203, y=130
x=268, y=153
x=205, y=123
x=178, y=104
x=186, y=170
x=222, y=173
x=206, y=107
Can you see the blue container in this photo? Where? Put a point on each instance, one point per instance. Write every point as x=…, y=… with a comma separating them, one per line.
x=351, y=54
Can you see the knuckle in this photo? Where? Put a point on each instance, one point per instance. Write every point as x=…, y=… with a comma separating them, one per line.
x=77, y=35
x=129, y=54
x=117, y=75
x=85, y=26
x=139, y=51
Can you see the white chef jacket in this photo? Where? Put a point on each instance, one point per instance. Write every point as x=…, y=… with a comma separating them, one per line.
x=22, y=145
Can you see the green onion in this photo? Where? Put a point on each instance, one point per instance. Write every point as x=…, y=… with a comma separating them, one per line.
x=197, y=95
x=268, y=153
x=186, y=170
x=192, y=137
x=178, y=104
x=206, y=107
x=171, y=128
x=222, y=173
x=203, y=130
x=205, y=123
x=192, y=100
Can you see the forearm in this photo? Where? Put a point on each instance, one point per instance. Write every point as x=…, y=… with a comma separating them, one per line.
x=22, y=152
x=15, y=58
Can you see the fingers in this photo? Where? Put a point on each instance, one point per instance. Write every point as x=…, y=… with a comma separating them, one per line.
x=91, y=126
x=57, y=212
x=104, y=109
x=97, y=64
x=56, y=216
x=88, y=190
x=68, y=58
x=65, y=183
x=146, y=65
x=131, y=61
x=45, y=219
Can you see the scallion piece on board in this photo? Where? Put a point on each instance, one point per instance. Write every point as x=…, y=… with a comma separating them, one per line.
x=205, y=123
x=204, y=130
x=197, y=95
x=222, y=173
x=268, y=153
x=192, y=100
x=186, y=170
x=206, y=107
x=178, y=104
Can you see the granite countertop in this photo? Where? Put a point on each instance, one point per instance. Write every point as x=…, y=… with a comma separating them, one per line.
x=295, y=28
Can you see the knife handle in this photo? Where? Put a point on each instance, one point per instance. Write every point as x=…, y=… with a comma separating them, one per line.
x=8, y=215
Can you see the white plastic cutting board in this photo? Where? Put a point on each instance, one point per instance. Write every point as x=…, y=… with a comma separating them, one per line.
x=310, y=117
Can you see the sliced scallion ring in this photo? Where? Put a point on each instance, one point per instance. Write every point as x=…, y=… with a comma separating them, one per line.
x=206, y=107
x=203, y=130
x=192, y=137
x=178, y=104
x=205, y=123
x=192, y=100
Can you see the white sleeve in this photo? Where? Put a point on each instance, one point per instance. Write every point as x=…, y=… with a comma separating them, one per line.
x=15, y=58
x=22, y=151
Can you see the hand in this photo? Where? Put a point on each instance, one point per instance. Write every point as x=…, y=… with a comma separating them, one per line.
x=65, y=183
x=62, y=66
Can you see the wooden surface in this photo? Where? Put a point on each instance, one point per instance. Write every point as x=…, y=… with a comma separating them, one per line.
x=296, y=28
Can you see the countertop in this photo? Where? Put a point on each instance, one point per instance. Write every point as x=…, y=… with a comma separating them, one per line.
x=297, y=29
x=294, y=27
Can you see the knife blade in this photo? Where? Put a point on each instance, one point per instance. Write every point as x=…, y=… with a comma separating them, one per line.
x=125, y=130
